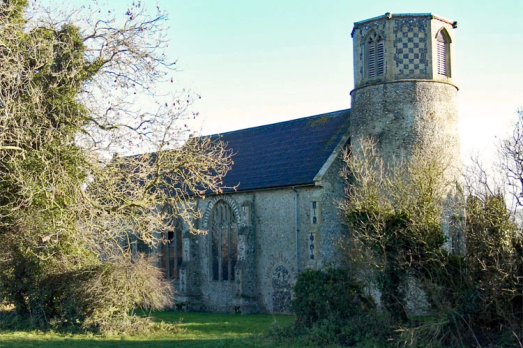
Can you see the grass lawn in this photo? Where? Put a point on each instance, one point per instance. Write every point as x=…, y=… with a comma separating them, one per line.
x=201, y=330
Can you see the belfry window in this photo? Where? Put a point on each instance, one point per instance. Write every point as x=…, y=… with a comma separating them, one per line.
x=374, y=47
x=171, y=250
x=224, y=242
x=443, y=43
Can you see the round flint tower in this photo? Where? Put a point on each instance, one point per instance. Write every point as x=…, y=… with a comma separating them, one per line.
x=403, y=75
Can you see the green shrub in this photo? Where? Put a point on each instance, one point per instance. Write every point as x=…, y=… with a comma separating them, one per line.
x=98, y=298
x=331, y=307
x=327, y=294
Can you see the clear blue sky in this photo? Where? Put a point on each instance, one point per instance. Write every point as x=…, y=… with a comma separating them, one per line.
x=256, y=62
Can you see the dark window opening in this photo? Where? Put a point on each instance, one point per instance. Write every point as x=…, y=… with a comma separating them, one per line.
x=171, y=251
x=224, y=242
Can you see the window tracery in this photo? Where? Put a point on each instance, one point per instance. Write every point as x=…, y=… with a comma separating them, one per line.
x=224, y=242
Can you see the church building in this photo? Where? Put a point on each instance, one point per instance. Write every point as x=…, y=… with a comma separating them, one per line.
x=283, y=216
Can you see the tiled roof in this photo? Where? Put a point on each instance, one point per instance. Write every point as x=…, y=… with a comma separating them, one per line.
x=283, y=154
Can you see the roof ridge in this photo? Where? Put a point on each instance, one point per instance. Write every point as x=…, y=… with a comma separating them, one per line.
x=332, y=113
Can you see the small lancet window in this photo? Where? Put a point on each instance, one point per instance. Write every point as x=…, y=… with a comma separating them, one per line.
x=443, y=43
x=375, y=46
x=224, y=242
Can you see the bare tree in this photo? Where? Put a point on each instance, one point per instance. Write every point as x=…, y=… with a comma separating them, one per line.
x=80, y=97
x=401, y=211
x=511, y=156
x=398, y=211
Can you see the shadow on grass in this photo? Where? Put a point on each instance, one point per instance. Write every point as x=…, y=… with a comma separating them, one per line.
x=197, y=330
x=25, y=343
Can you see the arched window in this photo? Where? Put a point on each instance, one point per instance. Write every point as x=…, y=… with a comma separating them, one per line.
x=171, y=250
x=224, y=242
x=374, y=50
x=443, y=50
